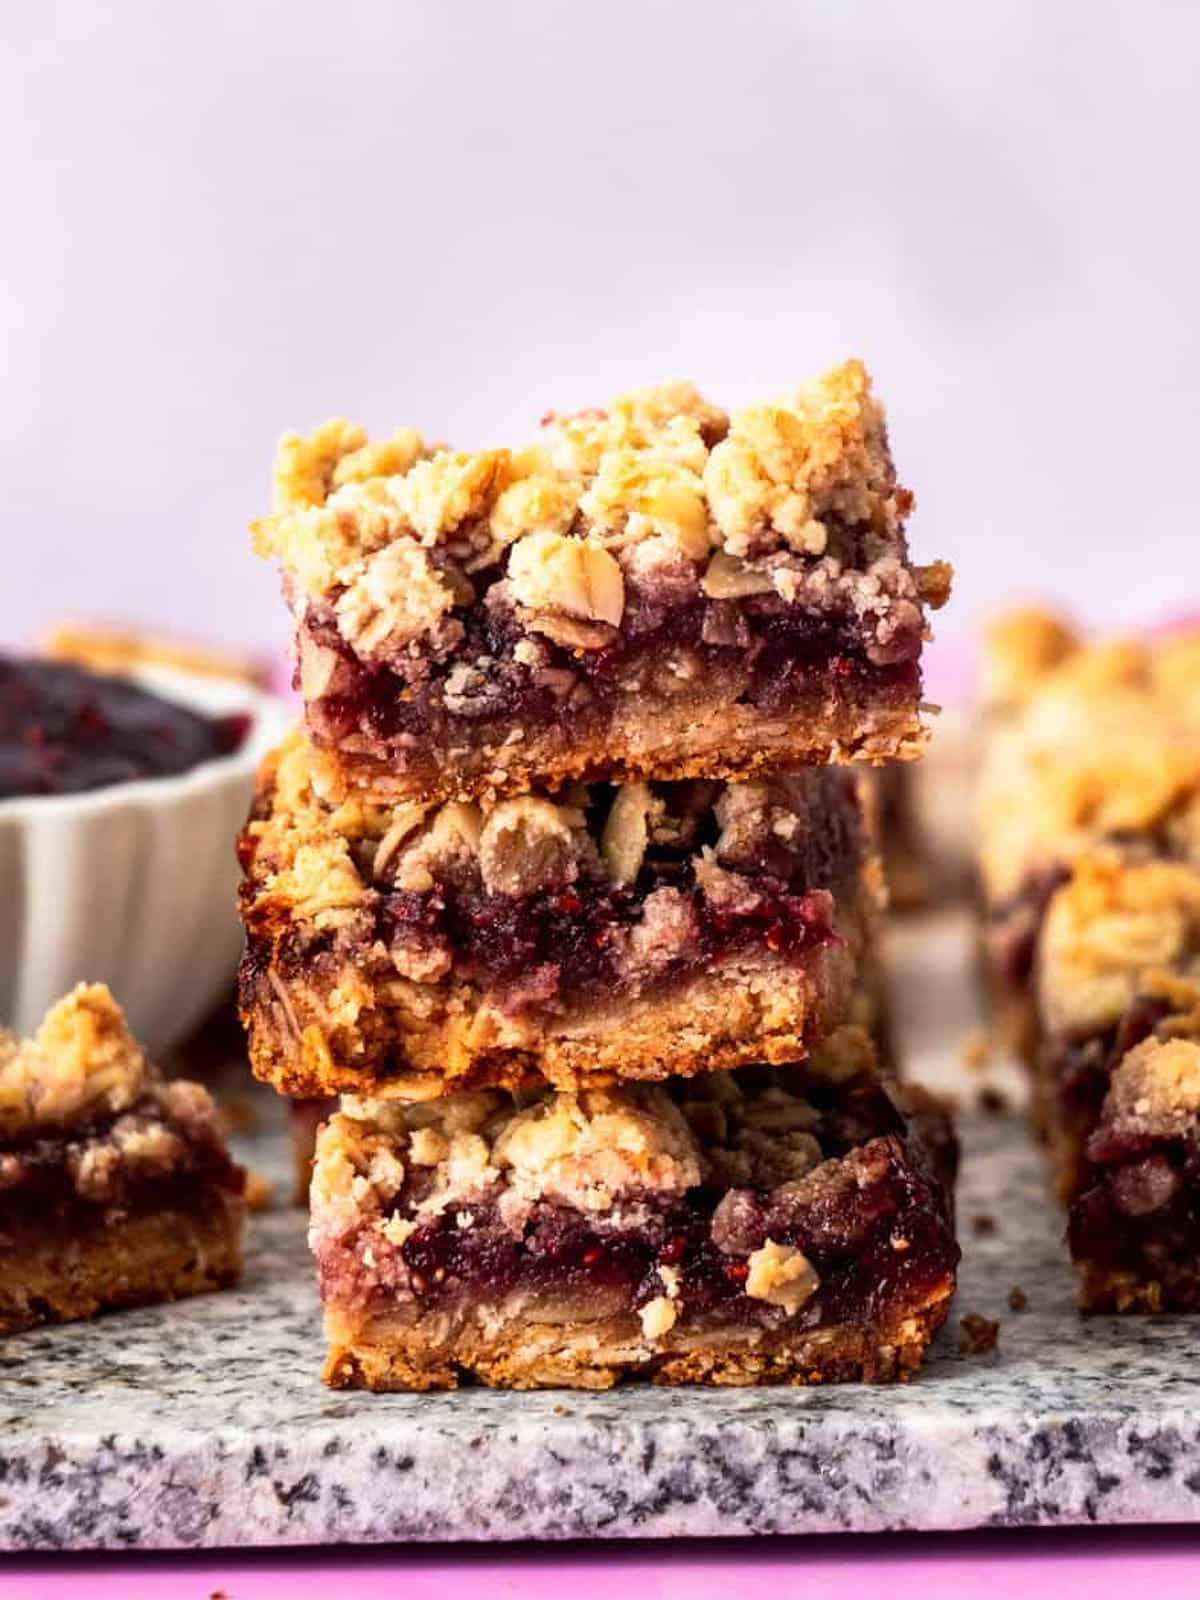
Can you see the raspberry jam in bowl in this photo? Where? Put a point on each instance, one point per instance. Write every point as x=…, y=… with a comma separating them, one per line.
x=65, y=730
x=120, y=797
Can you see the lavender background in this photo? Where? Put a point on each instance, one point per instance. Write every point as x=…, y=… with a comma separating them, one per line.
x=225, y=220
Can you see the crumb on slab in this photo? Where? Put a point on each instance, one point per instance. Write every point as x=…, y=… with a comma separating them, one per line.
x=977, y=1335
x=1017, y=1298
x=983, y=1223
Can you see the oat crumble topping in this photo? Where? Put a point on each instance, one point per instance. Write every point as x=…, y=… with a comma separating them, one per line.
x=1109, y=927
x=1157, y=1087
x=82, y=1063
x=398, y=539
x=83, y=1083
x=596, y=1151
x=781, y=1275
x=1097, y=751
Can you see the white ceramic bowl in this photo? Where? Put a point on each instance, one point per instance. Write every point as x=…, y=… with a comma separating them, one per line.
x=134, y=885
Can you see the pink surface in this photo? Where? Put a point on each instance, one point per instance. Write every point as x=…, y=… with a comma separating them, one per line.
x=948, y=669
x=1084, y=1564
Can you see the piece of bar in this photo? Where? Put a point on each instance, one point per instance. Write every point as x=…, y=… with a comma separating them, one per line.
x=1118, y=1078
x=657, y=591
x=116, y=1189
x=1101, y=748
x=638, y=931
x=778, y=1225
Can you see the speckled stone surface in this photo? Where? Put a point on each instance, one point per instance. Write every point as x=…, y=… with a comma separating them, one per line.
x=205, y=1424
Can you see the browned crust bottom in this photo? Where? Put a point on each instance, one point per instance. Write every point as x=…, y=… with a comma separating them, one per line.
x=53, y=1277
x=704, y=737
x=1108, y=1289
x=556, y=1356
x=739, y=1012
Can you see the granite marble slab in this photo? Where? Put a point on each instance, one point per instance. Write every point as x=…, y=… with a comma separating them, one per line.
x=205, y=1423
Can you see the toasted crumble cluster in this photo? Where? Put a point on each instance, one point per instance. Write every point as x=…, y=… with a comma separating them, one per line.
x=397, y=541
x=308, y=469
x=82, y=1064
x=1106, y=929
x=977, y=1335
x=1018, y=649
x=84, y=1079
x=1105, y=746
x=784, y=472
x=588, y=1150
x=781, y=1275
x=1156, y=1088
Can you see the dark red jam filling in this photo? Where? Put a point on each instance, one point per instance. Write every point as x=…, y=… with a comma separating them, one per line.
x=39, y=1189
x=576, y=937
x=572, y=938
x=876, y=1245
x=790, y=656
x=64, y=730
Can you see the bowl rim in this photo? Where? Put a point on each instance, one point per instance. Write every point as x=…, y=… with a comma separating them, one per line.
x=214, y=696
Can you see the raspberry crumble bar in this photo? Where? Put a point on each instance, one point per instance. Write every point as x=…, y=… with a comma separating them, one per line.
x=1099, y=748
x=657, y=590
x=1118, y=1078
x=738, y=1228
x=116, y=1189
x=633, y=931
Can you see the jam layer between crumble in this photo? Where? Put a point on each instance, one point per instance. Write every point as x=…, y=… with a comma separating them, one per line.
x=749, y=652
x=136, y=1163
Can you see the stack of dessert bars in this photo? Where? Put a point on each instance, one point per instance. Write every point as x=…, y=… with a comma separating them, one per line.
x=1090, y=868
x=564, y=889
